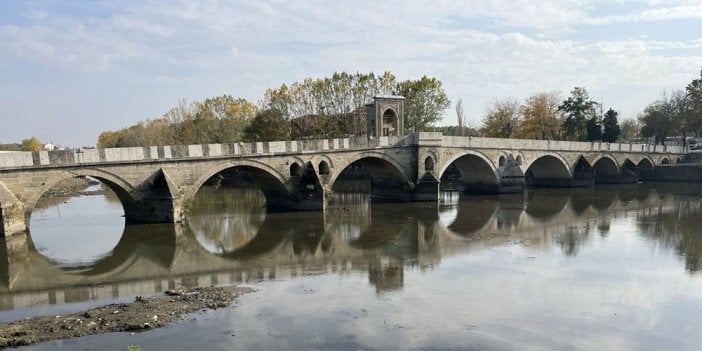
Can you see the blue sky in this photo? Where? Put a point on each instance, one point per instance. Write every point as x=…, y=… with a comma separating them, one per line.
x=72, y=69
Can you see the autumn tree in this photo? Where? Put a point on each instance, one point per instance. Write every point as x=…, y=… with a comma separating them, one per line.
x=222, y=119
x=268, y=125
x=610, y=125
x=540, y=117
x=425, y=102
x=577, y=110
x=32, y=144
x=341, y=94
x=502, y=119
x=219, y=119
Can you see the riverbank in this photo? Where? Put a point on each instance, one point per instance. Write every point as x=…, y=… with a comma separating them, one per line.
x=142, y=314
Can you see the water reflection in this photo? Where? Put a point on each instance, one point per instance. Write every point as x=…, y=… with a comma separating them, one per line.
x=225, y=218
x=229, y=238
x=95, y=216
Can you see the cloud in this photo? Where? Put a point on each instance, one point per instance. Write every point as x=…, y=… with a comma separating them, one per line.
x=479, y=49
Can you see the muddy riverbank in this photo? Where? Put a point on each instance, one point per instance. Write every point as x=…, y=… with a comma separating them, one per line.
x=142, y=314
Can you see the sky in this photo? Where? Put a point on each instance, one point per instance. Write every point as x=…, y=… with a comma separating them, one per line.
x=72, y=69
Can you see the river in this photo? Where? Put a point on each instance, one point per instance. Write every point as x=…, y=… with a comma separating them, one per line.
x=609, y=267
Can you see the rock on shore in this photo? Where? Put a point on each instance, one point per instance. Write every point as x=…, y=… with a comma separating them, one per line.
x=142, y=314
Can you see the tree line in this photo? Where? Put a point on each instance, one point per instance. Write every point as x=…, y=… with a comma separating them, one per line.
x=327, y=107
x=678, y=113
x=580, y=118
x=544, y=116
x=334, y=106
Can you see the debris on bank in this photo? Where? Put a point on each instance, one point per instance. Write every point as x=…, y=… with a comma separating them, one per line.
x=142, y=314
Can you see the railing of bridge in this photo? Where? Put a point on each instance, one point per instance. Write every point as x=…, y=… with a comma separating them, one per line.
x=81, y=156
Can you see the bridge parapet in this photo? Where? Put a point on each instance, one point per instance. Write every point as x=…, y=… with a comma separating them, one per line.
x=551, y=145
x=13, y=160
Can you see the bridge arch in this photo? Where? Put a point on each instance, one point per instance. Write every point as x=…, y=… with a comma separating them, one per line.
x=477, y=172
x=646, y=168
x=606, y=169
x=122, y=188
x=550, y=169
x=646, y=163
x=387, y=178
x=273, y=184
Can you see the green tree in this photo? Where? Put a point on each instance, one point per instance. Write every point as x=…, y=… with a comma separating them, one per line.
x=425, y=102
x=32, y=144
x=502, y=119
x=661, y=119
x=577, y=110
x=540, y=117
x=694, y=93
x=594, y=129
x=268, y=125
x=611, y=126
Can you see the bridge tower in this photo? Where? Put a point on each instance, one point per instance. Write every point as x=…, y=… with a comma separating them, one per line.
x=385, y=116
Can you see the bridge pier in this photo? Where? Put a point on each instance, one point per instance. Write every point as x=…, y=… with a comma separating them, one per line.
x=427, y=188
x=148, y=210
x=512, y=179
x=12, y=213
x=13, y=219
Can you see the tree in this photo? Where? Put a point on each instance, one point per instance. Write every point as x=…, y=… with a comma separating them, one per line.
x=661, y=119
x=540, y=117
x=341, y=94
x=502, y=119
x=611, y=127
x=425, y=102
x=577, y=110
x=459, y=115
x=268, y=125
x=630, y=129
x=32, y=144
x=222, y=119
x=594, y=129
x=694, y=93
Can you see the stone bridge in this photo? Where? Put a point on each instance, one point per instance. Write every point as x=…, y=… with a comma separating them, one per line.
x=156, y=184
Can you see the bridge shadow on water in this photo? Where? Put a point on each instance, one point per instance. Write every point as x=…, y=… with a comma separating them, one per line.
x=230, y=238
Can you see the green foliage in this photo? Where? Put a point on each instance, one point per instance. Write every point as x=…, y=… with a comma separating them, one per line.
x=32, y=144
x=694, y=94
x=662, y=118
x=134, y=348
x=268, y=125
x=594, y=129
x=577, y=110
x=611, y=127
x=502, y=120
x=425, y=102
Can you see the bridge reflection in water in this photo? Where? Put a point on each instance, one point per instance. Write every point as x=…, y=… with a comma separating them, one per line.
x=230, y=239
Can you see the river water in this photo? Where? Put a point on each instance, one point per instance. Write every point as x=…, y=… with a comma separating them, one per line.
x=610, y=267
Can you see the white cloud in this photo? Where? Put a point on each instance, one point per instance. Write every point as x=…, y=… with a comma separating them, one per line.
x=479, y=49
